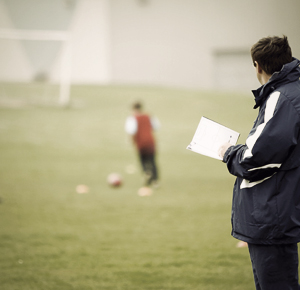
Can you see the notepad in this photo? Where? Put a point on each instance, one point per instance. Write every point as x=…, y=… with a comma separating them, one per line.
x=209, y=137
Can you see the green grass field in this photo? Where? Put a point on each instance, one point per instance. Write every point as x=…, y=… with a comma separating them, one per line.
x=112, y=239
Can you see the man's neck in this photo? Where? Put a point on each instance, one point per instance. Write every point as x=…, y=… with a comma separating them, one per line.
x=264, y=78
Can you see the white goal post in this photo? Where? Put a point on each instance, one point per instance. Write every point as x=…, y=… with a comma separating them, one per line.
x=49, y=35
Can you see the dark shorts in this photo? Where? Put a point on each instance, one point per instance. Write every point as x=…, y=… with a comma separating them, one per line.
x=149, y=167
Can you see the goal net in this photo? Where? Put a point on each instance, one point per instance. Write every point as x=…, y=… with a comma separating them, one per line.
x=27, y=70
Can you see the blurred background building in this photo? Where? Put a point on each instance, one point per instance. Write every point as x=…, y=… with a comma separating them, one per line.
x=177, y=43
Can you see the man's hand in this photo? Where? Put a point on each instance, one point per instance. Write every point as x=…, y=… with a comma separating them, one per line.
x=223, y=149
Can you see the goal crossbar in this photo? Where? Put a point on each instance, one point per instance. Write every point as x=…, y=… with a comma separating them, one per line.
x=34, y=34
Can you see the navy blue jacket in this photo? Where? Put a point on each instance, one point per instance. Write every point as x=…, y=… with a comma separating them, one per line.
x=266, y=195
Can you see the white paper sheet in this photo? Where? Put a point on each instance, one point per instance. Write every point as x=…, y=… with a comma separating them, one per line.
x=209, y=136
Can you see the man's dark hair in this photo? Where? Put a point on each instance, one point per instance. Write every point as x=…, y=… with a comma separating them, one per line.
x=271, y=53
x=137, y=106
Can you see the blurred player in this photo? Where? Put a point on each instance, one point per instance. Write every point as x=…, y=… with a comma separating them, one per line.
x=141, y=126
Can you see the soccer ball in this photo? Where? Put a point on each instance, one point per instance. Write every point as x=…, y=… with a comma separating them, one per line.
x=114, y=180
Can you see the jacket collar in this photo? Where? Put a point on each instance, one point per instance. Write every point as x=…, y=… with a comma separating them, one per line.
x=290, y=72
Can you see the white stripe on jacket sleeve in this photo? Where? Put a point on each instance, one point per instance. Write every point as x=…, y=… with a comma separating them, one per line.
x=269, y=111
x=251, y=140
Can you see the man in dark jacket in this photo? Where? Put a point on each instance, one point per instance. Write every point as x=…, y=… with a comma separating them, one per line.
x=266, y=195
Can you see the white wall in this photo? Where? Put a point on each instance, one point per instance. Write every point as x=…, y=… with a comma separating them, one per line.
x=161, y=42
x=91, y=42
x=156, y=42
x=173, y=42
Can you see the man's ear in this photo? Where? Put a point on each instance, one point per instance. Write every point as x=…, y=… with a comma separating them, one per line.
x=258, y=67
